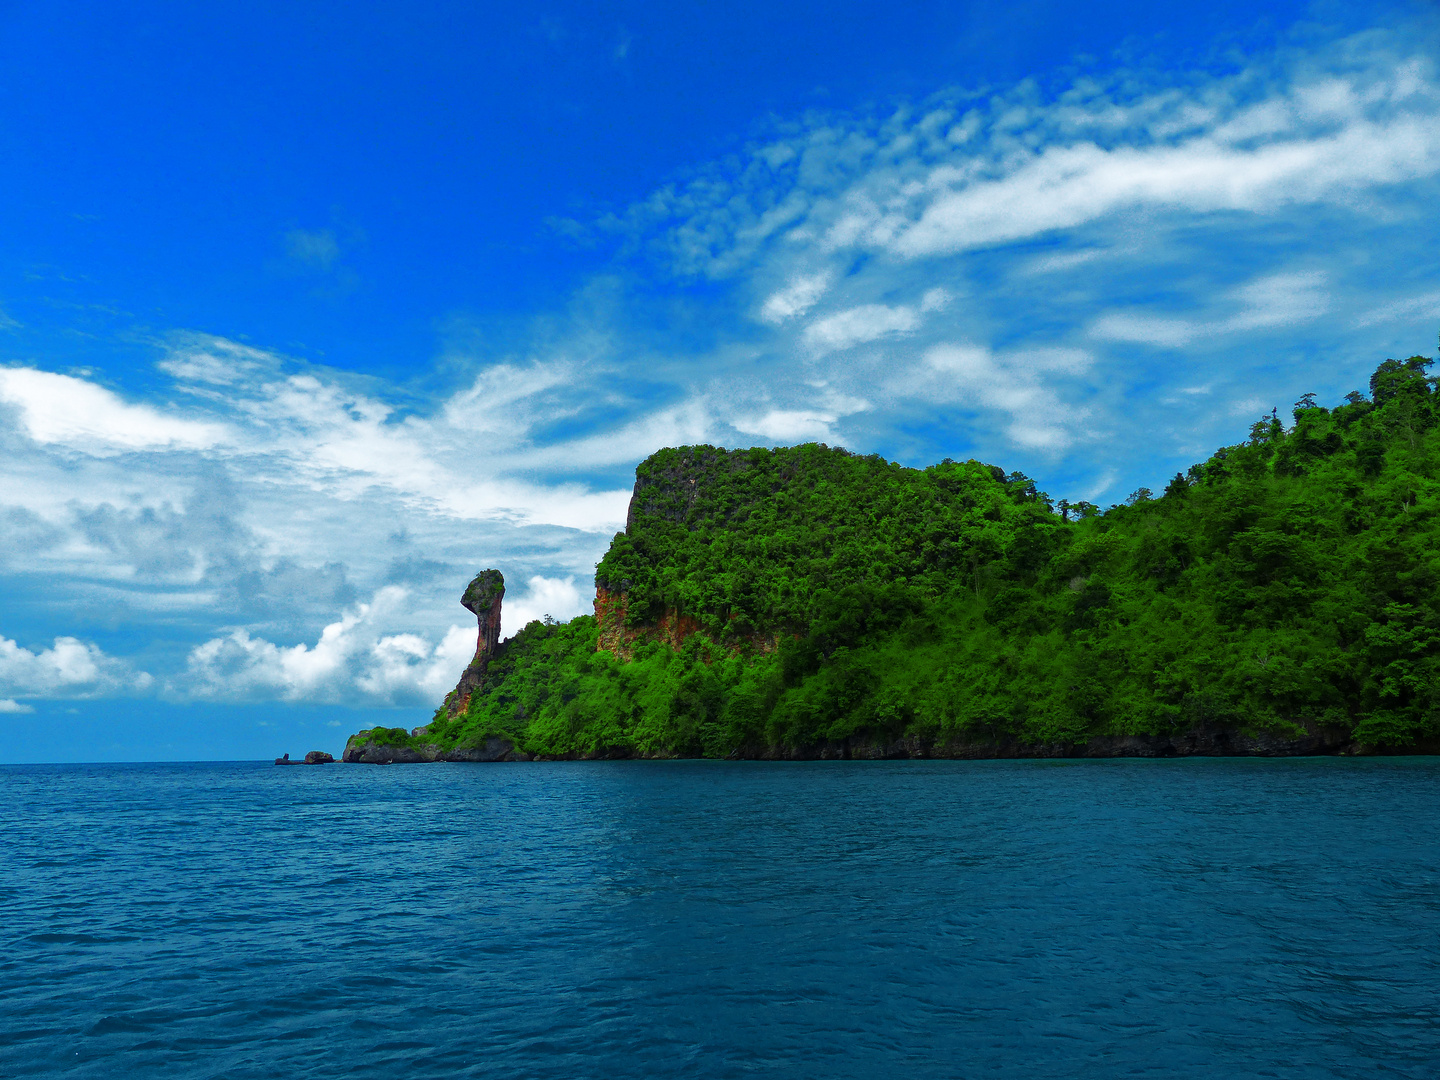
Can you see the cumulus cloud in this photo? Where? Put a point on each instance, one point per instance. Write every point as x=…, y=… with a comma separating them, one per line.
x=70, y=668
x=354, y=661
x=558, y=598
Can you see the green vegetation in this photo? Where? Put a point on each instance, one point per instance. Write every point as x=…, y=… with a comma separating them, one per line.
x=483, y=591
x=1290, y=579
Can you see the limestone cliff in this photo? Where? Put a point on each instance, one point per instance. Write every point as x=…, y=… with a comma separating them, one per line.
x=483, y=597
x=670, y=491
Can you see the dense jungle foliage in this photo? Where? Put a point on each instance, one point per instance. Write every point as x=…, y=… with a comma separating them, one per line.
x=1289, y=579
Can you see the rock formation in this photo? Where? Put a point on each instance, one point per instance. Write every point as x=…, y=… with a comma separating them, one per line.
x=363, y=750
x=483, y=597
x=318, y=757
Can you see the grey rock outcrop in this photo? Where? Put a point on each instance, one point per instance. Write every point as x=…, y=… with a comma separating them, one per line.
x=361, y=751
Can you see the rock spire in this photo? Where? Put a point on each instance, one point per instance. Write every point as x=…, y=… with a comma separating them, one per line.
x=482, y=597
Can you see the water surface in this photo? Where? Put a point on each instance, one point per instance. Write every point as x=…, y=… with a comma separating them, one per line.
x=1192, y=918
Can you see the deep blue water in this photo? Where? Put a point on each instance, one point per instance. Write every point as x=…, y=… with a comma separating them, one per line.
x=1195, y=918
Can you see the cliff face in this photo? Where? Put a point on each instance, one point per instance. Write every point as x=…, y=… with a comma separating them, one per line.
x=690, y=490
x=672, y=627
x=482, y=597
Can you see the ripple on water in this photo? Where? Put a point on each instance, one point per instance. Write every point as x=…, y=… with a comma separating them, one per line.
x=614, y=919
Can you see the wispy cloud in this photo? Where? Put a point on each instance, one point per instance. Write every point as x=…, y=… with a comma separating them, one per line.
x=858, y=325
x=63, y=410
x=318, y=248
x=921, y=183
x=1276, y=300
x=798, y=296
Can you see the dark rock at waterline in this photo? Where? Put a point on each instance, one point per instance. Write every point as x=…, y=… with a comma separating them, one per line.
x=1198, y=742
x=1306, y=741
x=369, y=753
x=318, y=757
x=285, y=761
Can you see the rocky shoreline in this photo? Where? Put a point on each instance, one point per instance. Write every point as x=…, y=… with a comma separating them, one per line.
x=1214, y=742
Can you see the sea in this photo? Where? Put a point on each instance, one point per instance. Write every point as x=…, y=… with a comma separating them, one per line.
x=1216, y=918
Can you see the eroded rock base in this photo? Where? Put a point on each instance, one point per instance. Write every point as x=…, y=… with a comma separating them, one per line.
x=1220, y=742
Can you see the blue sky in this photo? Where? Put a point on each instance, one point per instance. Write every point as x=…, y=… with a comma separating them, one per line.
x=308, y=313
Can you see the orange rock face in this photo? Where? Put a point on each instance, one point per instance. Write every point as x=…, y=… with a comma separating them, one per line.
x=673, y=628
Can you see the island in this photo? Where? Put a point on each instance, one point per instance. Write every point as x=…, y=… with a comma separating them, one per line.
x=1281, y=597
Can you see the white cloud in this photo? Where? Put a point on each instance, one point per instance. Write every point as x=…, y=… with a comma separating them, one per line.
x=1331, y=128
x=1146, y=329
x=559, y=598
x=363, y=658
x=1249, y=407
x=1065, y=260
x=69, y=668
x=788, y=425
x=1426, y=305
x=972, y=376
x=798, y=297
x=205, y=358
x=9, y=705
x=74, y=412
x=468, y=459
x=859, y=325
x=935, y=299
x=1282, y=299
x=354, y=661
x=1066, y=186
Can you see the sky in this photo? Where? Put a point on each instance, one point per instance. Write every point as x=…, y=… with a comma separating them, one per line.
x=309, y=312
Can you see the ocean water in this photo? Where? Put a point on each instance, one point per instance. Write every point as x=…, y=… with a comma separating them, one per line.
x=1192, y=918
